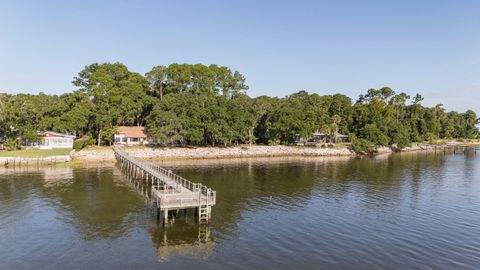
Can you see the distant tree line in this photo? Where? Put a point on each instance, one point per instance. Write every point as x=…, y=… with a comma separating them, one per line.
x=208, y=105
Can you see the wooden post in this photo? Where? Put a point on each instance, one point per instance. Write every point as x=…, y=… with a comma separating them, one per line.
x=141, y=174
x=165, y=216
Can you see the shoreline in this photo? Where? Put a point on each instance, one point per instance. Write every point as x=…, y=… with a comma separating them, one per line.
x=201, y=153
x=105, y=155
x=34, y=161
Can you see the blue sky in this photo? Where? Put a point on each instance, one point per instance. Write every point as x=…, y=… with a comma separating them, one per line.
x=429, y=47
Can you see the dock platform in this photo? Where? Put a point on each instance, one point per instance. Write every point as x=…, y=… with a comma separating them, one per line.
x=169, y=191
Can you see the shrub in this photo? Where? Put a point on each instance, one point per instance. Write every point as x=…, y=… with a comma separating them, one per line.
x=431, y=138
x=401, y=140
x=372, y=133
x=362, y=145
x=83, y=142
x=12, y=144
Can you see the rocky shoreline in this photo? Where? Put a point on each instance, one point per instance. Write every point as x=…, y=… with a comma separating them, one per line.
x=102, y=155
x=105, y=154
x=175, y=153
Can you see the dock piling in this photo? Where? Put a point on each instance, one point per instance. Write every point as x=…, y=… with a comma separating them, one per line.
x=168, y=191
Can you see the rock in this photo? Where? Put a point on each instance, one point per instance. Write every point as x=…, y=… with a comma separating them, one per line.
x=106, y=154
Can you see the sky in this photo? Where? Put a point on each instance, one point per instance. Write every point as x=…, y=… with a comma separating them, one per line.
x=324, y=47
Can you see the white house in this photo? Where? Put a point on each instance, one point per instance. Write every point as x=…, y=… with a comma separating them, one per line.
x=130, y=136
x=51, y=140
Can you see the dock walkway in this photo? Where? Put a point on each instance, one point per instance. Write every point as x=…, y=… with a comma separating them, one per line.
x=168, y=190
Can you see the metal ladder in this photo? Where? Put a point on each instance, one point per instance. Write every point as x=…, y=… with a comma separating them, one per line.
x=203, y=213
x=203, y=234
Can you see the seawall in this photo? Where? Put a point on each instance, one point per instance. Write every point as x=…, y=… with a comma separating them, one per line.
x=14, y=162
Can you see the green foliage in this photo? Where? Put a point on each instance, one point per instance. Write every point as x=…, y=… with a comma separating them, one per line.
x=83, y=142
x=208, y=119
x=400, y=138
x=362, y=145
x=12, y=144
x=116, y=96
x=207, y=105
x=164, y=127
x=372, y=133
x=107, y=135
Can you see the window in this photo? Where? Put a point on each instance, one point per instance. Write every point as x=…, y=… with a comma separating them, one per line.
x=134, y=139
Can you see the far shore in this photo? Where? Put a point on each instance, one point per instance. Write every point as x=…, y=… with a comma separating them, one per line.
x=105, y=155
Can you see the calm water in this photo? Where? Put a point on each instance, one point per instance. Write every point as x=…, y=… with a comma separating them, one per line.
x=406, y=211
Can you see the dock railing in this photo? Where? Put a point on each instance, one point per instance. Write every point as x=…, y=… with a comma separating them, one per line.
x=172, y=184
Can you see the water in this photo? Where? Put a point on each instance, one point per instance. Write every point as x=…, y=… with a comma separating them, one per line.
x=405, y=211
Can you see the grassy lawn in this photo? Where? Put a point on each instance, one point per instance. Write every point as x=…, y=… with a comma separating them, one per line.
x=35, y=153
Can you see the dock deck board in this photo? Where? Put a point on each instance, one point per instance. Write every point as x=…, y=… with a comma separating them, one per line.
x=169, y=191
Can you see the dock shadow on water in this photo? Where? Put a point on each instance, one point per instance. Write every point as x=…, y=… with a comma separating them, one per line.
x=403, y=211
x=183, y=239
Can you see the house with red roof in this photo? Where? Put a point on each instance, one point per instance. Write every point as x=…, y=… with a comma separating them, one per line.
x=126, y=135
x=54, y=140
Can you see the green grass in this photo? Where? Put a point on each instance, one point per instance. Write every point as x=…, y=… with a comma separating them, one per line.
x=35, y=153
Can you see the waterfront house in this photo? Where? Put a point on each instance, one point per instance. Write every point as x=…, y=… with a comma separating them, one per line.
x=341, y=138
x=52, y=140
x=316, y=138
x=320, y=138
x=126, y=135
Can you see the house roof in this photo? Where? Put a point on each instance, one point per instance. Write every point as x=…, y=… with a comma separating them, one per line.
x=341, y=135
x=55, y=134
x=132, y=132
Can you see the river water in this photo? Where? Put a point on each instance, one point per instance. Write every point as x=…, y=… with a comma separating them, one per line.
x=401, y=211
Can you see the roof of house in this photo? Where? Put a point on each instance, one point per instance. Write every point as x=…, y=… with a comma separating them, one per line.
x=341, y=135
x=55, y=134
x=132, y=132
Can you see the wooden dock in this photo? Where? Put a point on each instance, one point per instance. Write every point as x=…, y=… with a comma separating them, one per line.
x=457, y=148
x=169, y=192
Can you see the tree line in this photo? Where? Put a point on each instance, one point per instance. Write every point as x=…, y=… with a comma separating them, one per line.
x=208, y=105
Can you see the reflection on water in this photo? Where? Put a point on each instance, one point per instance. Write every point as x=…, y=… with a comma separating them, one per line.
x=183, y=239
x=413, y=210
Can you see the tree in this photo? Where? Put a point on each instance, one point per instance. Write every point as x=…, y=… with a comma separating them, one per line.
x=164, y=127
x=398, y=101
x=372, y=133
x=296, y=115
x=208, y=105
x=332, y=128
x=157, y=80
x=470, y=121
x=117, y=96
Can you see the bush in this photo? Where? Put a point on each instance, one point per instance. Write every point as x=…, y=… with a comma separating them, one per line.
x=12, y=144
x=401, y=140
x=374, y=134
x=431, y=138
x=83, y=142
x=362, y=145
